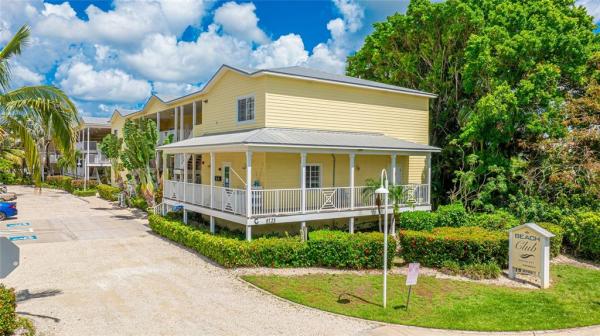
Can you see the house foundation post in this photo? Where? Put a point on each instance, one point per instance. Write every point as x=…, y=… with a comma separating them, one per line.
x=212, y=224
x=352, y=192
x=248, y=232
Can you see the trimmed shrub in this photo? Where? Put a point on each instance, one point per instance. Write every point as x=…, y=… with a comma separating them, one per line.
x=79, y=183
x=482, y=271
x=582, y=232
x=417, y=220
x=464, y=245
x=343, y=250
x=450, y=267
x=556, y=241
x=8, y=316
x=498, y=220
x=108, y=192
x=324, y=248
x=452, y=215
x=62, y=182
x=84, y=193
x=138, y=202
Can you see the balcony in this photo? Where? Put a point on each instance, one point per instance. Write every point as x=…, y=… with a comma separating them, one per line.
x=287, y=202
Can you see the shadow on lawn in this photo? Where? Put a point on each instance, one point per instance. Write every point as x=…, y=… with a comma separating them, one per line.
x=343, y=300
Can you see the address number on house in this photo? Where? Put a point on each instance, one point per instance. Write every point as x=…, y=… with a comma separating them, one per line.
x=267, y=220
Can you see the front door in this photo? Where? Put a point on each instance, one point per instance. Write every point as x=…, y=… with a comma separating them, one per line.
x=226, y=175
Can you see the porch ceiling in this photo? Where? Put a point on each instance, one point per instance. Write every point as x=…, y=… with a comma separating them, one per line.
x=298, y=139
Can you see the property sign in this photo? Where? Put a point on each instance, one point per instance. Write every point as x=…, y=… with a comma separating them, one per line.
x=413, y=274
x=529, y=252
x=9, y=257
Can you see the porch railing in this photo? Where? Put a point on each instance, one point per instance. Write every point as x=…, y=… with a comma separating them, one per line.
x=269, y=202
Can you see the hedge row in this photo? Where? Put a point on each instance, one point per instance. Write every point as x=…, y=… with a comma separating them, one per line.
x=452, y=215
x=8, y=316
x=582, y=234
x=84, y=193
x=556, y=241
x=464, y=245
x=324, y=248
x=108, y=192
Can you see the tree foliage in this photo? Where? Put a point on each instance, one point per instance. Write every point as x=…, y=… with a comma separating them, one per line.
x=140, y=137
x=502, y=70
x=111, y=148
x=35, y=115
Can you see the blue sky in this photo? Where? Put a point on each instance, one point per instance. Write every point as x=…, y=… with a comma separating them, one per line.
x=116, y=53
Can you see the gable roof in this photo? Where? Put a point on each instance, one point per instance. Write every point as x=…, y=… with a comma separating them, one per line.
x=535, y=228
x=95, y=121
x=300, y=137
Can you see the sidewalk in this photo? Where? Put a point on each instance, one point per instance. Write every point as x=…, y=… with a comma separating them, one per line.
x=400, y=330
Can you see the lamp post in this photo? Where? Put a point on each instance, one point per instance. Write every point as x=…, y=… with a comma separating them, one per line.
x=383, y=190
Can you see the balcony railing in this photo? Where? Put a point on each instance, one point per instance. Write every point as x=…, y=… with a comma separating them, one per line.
x=82, y=146
x=269, y=202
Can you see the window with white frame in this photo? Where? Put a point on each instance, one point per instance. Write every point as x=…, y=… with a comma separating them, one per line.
x=313, y=176
x=245, y=108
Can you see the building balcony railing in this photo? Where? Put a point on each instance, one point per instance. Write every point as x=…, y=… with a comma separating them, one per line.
x=291, y=201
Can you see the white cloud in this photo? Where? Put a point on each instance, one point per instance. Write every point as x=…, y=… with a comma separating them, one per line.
x=352, y=12
x=239, y=20
x=63, y=10
x=163, y=58
x=169, y=91
x=592, y=6
x=324, y=58
x=24, y=76
x=80, y=80
x=286, y=51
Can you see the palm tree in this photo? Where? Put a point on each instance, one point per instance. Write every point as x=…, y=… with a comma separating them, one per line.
x=28, y=108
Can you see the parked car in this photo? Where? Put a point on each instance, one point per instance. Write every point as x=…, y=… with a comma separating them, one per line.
x=7, y=209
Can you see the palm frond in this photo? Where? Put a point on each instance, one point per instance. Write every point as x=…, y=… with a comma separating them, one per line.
x=13, y=47
x=28, y=142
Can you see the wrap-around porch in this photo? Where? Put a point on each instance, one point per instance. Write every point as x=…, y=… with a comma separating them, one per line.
x=256, y=183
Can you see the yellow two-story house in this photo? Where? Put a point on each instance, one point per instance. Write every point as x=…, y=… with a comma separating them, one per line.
x=290, y=145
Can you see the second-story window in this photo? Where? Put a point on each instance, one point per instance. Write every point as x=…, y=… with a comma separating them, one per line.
x=245, y=109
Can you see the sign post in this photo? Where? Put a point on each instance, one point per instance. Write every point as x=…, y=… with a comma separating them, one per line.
x=9, y=257
x=529, y=252
x=411, y=279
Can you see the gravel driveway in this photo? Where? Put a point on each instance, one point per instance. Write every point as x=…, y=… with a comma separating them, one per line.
x=97, y=270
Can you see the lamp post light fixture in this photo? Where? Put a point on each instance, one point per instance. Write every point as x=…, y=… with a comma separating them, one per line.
x=383, y=190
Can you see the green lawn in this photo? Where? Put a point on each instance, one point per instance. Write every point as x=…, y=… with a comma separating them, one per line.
x=572, y=301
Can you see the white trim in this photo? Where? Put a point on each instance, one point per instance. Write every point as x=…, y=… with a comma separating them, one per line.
x=237, y=111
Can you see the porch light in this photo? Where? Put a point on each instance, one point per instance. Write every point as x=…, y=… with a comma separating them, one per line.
x=383, y=190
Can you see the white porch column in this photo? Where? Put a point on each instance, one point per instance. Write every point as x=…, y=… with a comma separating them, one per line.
x=158, y=121
x=175, y=123
x=87, y=160
x=352, y=191
x=193, y=115
x=248, y=184
x=394, y=169
x=185, y=175
x=303, y=180
x=185, y=215
x=181, y=123
x=212, y=178
x=164, y=174
x=212, y=185
x=194, y=169
x=429, y=178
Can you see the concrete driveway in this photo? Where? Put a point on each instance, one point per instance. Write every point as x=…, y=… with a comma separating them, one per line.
x=97, y=270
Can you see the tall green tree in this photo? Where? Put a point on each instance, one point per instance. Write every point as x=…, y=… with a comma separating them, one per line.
x=28, y=108
x=501, y=68
x=140, y=138
x=111, y=148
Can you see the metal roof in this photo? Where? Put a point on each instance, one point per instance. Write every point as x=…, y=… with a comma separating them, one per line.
x=299, y=71
x=290, y=137
x=95, y=120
